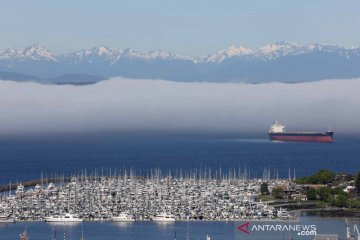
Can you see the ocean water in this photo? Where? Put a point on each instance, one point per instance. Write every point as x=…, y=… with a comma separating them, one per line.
x=167, y=231
x=26, y=158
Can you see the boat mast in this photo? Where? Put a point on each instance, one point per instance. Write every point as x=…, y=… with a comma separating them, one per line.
x=82, y=231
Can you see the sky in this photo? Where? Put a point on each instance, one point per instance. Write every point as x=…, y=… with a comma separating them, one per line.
x=185, y=27
x=121, y=104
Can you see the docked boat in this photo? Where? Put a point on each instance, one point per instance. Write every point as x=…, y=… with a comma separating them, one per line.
x=123, y=217
x=20, y=189
x=277, y=132
x=164, y=217
x=68, y=217
x=282, y=213
x=6, y=219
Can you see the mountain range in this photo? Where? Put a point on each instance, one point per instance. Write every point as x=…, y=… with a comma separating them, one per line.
x=279, y=62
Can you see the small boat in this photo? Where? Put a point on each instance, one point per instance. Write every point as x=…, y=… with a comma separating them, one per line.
x=123, y=217
x=24, y=235
x=68, y=217
x=283, y=213
x=20, y=189
x=6, y=219
x=164, y=217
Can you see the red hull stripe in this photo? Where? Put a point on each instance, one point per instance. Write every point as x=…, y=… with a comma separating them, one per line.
x=302, y=138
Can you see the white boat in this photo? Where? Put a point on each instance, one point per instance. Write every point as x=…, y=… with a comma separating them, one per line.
x=24, y=235
x=20, y=189
x=6, y=219
x=283, y=213
x=164, y=217
x=68, y=217
x=123, y=217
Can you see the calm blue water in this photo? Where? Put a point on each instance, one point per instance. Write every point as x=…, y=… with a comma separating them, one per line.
x=166, y=231
x=24, y=158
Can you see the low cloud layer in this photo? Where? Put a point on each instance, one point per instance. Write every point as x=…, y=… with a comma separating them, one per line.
x=137, y=105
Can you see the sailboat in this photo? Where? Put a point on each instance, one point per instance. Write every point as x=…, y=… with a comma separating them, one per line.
x=82, y=232
x=24, y=235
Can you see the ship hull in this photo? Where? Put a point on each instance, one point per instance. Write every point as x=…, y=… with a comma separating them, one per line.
x=62, y=220
x=302, y=137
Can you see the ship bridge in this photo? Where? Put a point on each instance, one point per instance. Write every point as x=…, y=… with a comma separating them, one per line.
x=277, y=128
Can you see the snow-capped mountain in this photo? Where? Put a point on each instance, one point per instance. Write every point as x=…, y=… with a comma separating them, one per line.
x=34, y=52
x=112, y=55
x=280, y=49
x=231, y=51
x=96, y=54
x=279, y=61
x=270, y=52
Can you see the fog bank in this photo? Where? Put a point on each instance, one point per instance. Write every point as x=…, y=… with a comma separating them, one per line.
x=137, y=105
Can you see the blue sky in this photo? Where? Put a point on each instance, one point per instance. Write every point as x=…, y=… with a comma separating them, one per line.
x=189, y=27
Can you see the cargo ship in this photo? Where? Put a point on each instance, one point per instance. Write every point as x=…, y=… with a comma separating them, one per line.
x=277, y=133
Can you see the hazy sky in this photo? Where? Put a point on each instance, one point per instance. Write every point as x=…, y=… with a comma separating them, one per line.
x=138, y=105
x=186, y=27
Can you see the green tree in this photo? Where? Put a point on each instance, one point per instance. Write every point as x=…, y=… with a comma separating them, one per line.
x=353, y=203
x=338, y=191
x=264, y=188
x=321, y=177
x=277, y=193
x=311, y=194
x=341, y=201
x=324, y=193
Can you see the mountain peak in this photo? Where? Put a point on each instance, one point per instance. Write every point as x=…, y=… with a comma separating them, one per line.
x=234, y=50
x=102, y=50
x=231, y=51
x=89, y=55
x=277, y=49
x=283, y=48
x=34, y=52
x=152, y=55
x=38, y=52
x=323, y=47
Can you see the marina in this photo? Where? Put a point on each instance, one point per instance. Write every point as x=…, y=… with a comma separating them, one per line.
x=127, y=197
